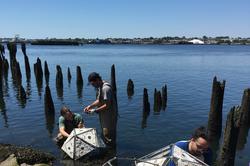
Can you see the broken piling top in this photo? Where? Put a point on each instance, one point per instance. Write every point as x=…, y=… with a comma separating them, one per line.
x=157, y=100
x=146, y=104
x=130, y=88
x=23, y=47
x=227, y=152
x=79, y=79
x=216, y=105
x=38, y=68
x=113, y=78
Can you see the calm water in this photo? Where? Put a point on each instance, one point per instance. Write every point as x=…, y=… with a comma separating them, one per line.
x=188, y=72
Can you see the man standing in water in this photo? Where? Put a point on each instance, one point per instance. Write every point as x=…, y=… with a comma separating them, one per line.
x=105, y=106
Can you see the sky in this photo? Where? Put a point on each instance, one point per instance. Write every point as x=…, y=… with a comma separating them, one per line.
x=124, y=18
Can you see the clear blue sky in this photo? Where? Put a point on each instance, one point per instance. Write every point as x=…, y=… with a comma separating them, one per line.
x=124, y=18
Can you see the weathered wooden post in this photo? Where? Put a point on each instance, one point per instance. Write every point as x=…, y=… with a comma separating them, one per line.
x=227, y=153
x=2, y=50
x=146, y=108
x=46, y=72
x=164, y=97
x=113, y=78
x=244, y=121
x=146, y=104
x=69, y=75
x=26, y=61
x=215, y=114
x=5, y=67
x=79, y=81
x=113, y=84
x=157, y=100
x=130, y=88
x=59, y=81
x=48, y=101
x=39, y=75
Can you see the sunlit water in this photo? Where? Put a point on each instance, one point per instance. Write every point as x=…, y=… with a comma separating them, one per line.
x=188, y=72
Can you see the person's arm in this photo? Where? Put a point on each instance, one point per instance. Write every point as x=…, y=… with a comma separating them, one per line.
x=63, y=132
x=94, y=104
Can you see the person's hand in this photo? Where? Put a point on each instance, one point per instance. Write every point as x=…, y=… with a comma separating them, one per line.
x=86, y=109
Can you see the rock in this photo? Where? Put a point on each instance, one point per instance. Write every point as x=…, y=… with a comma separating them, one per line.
x=10, y=161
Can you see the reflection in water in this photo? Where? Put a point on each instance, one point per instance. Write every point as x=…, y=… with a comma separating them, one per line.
x=96, y=158
x=39, y=84
x=28, y=89
x=144, y=119
x=50, y=121
x=79, y=90
x=21, y=96
x=2, y=103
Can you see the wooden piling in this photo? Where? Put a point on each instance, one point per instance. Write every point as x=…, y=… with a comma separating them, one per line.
x=2, y=50
x=146, y=104
x=157, y=100
x=18, y=73
x=26, y=61
x=46, y=72
x=215, y=114
x=227, y=152
x=38, y=69
x=243, y=124
x=69, y=75
x=48, y=101
x=146, y=108
x=113, y=78
x=164, y=97
x=79, y=80
x=59, y=81
x=130, y=88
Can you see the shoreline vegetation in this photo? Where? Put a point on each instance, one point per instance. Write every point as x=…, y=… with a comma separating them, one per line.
x=221, y=40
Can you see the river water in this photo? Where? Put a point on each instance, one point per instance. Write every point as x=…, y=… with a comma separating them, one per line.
x=187, y=70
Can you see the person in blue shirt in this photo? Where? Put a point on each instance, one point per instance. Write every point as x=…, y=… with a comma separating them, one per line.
x=197, y=146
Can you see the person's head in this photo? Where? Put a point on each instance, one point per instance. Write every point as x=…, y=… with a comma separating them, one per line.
x=66, y=113
x=199, y=141
x=95, y=79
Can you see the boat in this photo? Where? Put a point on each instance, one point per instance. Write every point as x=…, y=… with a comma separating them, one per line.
x=163, y=156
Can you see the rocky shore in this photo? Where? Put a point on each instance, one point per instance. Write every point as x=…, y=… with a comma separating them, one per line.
x=11, y=155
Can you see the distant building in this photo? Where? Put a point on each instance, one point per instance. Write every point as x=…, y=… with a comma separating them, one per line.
x=196, y=41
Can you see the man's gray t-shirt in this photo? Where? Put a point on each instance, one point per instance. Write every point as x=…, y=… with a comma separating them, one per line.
x=108, y=117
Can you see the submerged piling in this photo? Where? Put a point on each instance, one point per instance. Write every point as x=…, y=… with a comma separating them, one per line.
x=130, y=88
x=215, y=114
x=227, y=153
x=46, y=72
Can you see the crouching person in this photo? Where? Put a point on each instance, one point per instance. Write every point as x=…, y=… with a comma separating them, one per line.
x=67, y=122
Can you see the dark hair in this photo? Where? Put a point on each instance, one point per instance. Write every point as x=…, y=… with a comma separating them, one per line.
x=64, y=110
x=94, y=77
x=200, y=132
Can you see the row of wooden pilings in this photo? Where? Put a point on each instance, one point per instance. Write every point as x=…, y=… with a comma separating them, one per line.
x=238, y=119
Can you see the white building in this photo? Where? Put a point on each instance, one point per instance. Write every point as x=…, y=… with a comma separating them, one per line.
x=196, y=41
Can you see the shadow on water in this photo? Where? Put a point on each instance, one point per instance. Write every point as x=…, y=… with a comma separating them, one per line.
x=89, y=160
x=50, y=121
x=144, y=119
